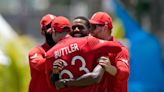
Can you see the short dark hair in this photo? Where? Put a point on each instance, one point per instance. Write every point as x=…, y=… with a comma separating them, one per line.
x=87, y=23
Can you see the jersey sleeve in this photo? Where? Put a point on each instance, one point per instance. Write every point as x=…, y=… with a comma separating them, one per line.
x=122, y=64
x=99, y=46
x=36, y=59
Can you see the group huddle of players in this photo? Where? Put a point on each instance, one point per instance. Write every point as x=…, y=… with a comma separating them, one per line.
x=78, y=56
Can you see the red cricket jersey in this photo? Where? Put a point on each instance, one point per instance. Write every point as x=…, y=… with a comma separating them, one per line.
x=79, y=56
x=38, y=81
x=119, y=82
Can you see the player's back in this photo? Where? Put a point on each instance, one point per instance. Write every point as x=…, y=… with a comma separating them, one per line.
x=79, y=56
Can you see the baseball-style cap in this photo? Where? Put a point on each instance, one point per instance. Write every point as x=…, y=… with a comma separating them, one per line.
x=60, y=23
x=47, y=19
x=101, y=18
x=45, y=23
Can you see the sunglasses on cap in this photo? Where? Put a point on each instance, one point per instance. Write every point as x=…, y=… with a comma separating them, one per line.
x=94, y=26
x=80, y=27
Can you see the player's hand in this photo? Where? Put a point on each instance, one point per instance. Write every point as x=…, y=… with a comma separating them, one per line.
x=104, y=61
x=58, y=65
x=60, y=84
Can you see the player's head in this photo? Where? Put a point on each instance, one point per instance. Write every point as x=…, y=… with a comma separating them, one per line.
x=60, y=28
x=101, y=24
x=45, y=24
x=80, y=27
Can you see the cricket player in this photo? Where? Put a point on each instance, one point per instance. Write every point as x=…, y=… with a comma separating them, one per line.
x=78, y=55
x=80, y=27
x=36, y=56
x=117, y=66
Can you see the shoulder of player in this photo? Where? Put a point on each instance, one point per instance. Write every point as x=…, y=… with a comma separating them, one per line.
x=123, y=54
x=36, y=52
x=124, y=49
x=80, y=38
x=58, y=46
x=50, y=52
x=37, y=49
x=91, y=39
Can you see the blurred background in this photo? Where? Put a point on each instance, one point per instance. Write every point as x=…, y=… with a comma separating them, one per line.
x=139, y=24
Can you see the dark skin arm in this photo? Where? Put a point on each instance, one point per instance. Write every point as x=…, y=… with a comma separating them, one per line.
x=87, y=79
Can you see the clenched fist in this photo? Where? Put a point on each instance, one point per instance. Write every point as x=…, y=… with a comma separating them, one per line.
x=58, y=65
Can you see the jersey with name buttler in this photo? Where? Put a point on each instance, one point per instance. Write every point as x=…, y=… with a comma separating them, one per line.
x=79, y=58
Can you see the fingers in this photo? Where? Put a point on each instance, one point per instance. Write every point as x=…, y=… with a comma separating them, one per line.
x=59, y=85
x=58, y=65
x=58, y=62
x=103, y=59
x=102, y=64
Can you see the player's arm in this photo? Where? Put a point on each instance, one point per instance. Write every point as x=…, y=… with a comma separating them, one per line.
x=100, y=46
x=121, y=68
x=122, y=64
x=36, y=59
x=87, y=79
x=111, y=69
x=58, y=65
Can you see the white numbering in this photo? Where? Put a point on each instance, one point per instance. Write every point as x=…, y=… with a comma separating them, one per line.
x=73, y=62
x=66, y=72
x=83, y=67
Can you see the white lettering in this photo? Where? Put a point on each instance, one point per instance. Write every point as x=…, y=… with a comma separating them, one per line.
x=74, y=47
x=66, y=50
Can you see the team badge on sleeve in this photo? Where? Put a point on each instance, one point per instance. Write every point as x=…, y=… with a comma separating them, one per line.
x=123, y=60
x=34, y=56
